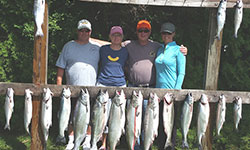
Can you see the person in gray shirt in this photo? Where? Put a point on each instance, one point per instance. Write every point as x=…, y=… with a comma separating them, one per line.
x=79, y=60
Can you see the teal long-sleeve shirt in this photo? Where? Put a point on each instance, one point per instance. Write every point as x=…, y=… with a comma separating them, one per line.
x=170, y=66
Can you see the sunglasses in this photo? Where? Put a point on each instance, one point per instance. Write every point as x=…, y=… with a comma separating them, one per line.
x=84, y=30
x=143, y=30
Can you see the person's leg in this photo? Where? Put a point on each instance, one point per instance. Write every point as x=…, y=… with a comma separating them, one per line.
x=70, y=144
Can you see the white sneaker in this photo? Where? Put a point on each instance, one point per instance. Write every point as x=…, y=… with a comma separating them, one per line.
x=69, y=146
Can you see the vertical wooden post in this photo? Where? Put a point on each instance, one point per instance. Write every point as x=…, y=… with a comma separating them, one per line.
x=39, y=77
x=212, y=72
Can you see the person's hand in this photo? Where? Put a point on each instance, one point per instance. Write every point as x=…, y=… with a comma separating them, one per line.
x=184, y=50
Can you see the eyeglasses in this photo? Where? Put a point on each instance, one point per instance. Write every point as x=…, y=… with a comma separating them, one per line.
x=143, y=30
x=84, y=30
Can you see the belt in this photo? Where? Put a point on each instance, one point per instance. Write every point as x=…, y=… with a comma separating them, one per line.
x=145, y=85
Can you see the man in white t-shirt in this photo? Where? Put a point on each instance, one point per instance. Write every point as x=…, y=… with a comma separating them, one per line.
x=79, y=61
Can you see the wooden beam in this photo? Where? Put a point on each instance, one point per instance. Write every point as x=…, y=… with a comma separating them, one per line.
x=213, y=95
x=39, y=77
x=212, y=65
x=176, y=3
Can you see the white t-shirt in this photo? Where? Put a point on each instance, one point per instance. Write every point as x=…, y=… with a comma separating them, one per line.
x=80, y=62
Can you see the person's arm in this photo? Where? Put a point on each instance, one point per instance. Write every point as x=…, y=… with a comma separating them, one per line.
x=101, y=42
x=59, y=77
x=184, y=50
x=181, y=67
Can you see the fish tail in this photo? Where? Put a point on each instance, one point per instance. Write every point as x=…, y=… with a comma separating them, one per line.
x=27, y=130
x=185, y=144
x=7, y=126
x=39, y=32
x=235, y=35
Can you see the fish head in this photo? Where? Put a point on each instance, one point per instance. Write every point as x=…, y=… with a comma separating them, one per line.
x=204, y=99
x=223, y=4
x=222, y=99
x=134, y=100
x=66, y=93
x=168, y=98
x=102, y=97
x=47, y=94
x=153, y=100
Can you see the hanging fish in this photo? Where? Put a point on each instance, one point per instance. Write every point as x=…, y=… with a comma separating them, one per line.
x=116, y=119
x=221, y=113
x=151, y=121
x=46, y=116
x=99, y=118
x=27, y=109
x=186, y=118
x=238, y=16
x=168, y=118
x=39, y=9
x=64, y=114
x=8, y=107
x=203, y=117
x=221, y=17
x=134, y=115
x=81, y=118
x=237, y=111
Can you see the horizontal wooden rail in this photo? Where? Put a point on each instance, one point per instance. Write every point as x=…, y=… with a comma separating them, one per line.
x=93, y=90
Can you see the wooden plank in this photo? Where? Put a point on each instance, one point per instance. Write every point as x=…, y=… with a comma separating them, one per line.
x=213, y=95
x=177, y=3
x=39, y=77
x=212, y=73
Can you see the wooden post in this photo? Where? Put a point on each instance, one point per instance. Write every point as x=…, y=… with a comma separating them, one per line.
x=212, y=72
x=39, y=77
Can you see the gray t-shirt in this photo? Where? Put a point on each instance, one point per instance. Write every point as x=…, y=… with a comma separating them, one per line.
x=80, y=62
x=140, y=62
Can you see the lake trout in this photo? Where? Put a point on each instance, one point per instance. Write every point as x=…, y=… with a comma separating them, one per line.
x=81, y=118
x=221, y=17
x=238, y=16
x=9, y=107
x=134, y=119
x=151, y=121
x=237, y=111
x=221, y=113
x=116, y=119
x=186, y=118
x=27, y=109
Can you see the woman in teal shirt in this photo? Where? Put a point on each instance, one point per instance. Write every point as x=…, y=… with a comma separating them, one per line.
x=170, y=63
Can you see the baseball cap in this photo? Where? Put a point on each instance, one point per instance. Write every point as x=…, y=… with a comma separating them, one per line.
x=167, y=27
x=116, y=29
x=143, y=24
x=84, y=24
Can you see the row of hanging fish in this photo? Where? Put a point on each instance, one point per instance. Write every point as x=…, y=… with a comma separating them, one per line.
x=117, y=111
x=221, y=16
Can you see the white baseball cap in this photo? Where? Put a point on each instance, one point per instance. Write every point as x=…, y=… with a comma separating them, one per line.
x=84, y=24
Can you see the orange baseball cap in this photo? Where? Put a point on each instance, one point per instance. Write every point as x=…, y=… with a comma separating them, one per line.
x=143, y=24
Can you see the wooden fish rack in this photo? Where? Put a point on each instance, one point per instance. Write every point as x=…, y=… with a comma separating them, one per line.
x=179, y=95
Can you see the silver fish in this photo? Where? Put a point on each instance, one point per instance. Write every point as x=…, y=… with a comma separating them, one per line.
x=134, y=115
x=186, y=118
x=221, y=113
x=8, y=107
x=151, y=121
x=221, y=16
x=168, y=118
x=39, y=9
x=64, y=114
x=238, y=16
x=203, y=117
x=46, y=116
x=237, y=111
x=99, y=119
x=116, y=119
x=81, y=118
x=27, y=109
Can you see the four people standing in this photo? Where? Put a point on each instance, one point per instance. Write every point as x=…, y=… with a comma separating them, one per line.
x=79, y=59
